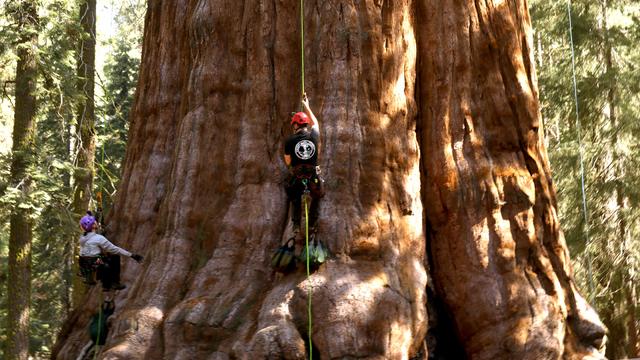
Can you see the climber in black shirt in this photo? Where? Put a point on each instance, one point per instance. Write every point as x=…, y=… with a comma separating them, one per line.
x=301, y=151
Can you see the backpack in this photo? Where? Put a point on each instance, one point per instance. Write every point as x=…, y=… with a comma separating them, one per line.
x=98, y=328
x=284, y=258
x=318, y=253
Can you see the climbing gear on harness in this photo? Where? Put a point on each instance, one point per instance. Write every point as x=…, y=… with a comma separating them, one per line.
x=304, y=171
x=94, y=268
x=87, y=221
x=300, y=118
x=305, y=176
x=284, y=258
x=301, y=173
x=89, y=268
x=317, y=252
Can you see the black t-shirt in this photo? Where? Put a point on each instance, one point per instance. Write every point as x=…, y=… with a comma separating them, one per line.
x=303, y=147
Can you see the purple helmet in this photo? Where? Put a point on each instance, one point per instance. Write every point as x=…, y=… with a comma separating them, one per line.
x=87, y=221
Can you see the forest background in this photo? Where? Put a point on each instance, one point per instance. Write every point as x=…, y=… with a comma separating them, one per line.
x=603, y=143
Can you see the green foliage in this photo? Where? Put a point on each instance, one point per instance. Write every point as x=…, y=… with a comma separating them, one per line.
x=118, y=87
x=55, y=227
x=606, y=59
x=121, y=71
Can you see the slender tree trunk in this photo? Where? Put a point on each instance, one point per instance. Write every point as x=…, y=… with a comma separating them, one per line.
x=620, y=197
x=430, y=103
x=70, y=243
x=85, y=125
x=19, y=279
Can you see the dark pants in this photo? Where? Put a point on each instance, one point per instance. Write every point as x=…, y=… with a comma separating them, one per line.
x=110, y=273
x=295, y=190
x=106, y=268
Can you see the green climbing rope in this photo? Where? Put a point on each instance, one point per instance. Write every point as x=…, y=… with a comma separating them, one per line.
x=305, y=196
x=306, y=233
x=581, y=155
x=302, y=43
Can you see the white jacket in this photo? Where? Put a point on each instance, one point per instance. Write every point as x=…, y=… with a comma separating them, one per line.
x=94, y=244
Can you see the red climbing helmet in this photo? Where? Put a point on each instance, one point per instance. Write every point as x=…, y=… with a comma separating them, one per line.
x=300, y=118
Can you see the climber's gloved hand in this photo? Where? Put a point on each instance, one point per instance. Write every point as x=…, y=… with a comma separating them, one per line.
x=137, y=258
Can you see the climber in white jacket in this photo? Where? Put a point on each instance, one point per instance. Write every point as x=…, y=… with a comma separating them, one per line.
x=100, y=255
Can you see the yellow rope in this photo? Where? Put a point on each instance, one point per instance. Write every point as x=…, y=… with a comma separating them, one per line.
x=306, y=230
x=305, y=196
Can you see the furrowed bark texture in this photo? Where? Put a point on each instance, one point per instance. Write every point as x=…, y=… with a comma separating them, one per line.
x=498, y=256
x=202, y=192
x=21, y=231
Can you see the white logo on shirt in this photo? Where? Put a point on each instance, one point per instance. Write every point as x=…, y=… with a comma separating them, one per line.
x=305, y=149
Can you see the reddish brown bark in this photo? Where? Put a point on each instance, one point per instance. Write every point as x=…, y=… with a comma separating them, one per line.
x=499, y=257
x=202, y=192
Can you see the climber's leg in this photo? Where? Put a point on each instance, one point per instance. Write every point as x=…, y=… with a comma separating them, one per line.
x=296, y=215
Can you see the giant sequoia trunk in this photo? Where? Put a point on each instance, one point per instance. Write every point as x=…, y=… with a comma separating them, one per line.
x=432, y=151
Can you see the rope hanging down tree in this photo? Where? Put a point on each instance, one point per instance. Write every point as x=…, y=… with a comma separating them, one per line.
x=100, y=219
x=302, y=45
x=581, y=153
x=306, y=195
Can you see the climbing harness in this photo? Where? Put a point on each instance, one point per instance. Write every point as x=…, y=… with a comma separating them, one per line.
x=304, y=171
x=101, y=268
x=309, y=177
x=581, y=155
x=89, y=267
